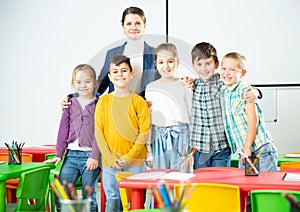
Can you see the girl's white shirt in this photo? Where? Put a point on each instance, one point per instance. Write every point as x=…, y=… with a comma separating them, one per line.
x=171, y=102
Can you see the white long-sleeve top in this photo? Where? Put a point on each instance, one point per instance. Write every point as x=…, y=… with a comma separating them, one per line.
x=171, y=102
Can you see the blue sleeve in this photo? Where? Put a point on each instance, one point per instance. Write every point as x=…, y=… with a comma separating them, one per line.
x=103, y=79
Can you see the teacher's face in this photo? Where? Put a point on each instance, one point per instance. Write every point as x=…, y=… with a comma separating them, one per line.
x=133, y=26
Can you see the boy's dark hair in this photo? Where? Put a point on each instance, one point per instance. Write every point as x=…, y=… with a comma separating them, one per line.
x=203, y=51
x=118, y=59
x=134, y=11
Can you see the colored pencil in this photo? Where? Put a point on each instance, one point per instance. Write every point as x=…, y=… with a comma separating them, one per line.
x=255, y=161
x=158, y=197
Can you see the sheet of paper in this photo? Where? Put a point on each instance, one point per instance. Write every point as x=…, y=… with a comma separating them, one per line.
x=291, y=177
x=147, y=176
x=292, y=155
x=177, y=176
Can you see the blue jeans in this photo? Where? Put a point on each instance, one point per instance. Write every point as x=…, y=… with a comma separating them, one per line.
x=268, y=158
x=74, y=166
x=221, y=158
x=110, y=186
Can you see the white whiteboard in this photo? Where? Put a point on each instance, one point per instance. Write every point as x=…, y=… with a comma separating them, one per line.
x=269, y=104
x=267, y=32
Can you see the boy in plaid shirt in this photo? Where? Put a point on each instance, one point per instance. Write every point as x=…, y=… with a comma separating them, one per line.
x=245, y=126
x=207, y=126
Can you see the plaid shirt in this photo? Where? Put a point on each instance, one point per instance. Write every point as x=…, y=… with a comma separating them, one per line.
x=236, y=120
x=207, y=127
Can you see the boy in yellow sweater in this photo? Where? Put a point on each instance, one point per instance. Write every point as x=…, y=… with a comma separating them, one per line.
x=122, y=124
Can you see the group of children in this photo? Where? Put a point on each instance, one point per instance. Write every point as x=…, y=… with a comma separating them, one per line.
x=216, y=117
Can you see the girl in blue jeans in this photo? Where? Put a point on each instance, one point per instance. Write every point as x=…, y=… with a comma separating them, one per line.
x=76, y=135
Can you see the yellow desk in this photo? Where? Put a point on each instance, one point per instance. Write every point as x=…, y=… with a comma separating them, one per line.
x=14, y=171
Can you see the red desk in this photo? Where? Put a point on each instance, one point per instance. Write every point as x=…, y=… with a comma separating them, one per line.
x=38, y=153
x=223, y=175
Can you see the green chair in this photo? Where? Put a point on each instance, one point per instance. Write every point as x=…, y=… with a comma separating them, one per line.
x=32, y=192
x=53, y=175
x=271, y=200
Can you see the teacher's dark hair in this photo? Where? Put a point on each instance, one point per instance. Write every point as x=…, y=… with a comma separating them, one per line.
x=135, y=11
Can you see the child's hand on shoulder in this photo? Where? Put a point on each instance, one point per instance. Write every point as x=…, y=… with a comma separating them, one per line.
x=91, y=164
x=65, y=104
x=149, y=103
x=188, y=82
x=251, y=95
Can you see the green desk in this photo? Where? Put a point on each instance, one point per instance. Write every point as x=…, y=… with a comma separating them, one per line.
x=281, y=159
x=235, y=161
x=14, y=171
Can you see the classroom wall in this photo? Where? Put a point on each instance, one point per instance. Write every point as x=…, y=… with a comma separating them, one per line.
x=286, y=131
x=267, y=33
x=42, y=41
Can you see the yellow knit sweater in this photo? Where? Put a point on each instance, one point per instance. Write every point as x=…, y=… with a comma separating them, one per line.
x=122, y=126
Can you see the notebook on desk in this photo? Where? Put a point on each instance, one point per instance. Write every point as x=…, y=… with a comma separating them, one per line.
x=147, y=175
x=160, y=175
x=177, y=176
x=291, y=177
x=292, y=155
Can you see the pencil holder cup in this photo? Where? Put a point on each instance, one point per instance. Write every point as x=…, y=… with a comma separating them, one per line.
x=81, y=205
x=252, y=170
x=15, y=157
x=185, y=164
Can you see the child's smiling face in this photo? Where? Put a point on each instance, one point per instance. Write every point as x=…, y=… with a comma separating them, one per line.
x=120, y=75
x=84, y=84
x=205, y=68
x=166, y=63
x=231, y=71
